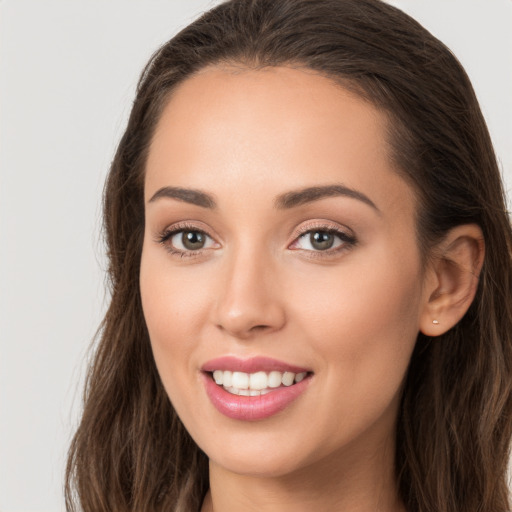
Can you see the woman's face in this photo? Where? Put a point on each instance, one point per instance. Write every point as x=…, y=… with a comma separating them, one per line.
x=279, y=242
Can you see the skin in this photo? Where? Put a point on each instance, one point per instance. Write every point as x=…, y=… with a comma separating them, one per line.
x=257, y=288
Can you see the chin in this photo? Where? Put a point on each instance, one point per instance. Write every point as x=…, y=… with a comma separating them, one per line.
x=273, y=465
x=263, y=454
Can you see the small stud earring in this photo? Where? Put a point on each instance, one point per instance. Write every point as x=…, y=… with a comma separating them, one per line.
x=435, y=322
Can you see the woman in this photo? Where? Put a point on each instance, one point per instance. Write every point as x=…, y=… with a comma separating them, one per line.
x=310, y=272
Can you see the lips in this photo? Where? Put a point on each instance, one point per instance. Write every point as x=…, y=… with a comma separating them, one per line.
x=252, y=365
x=253, y=389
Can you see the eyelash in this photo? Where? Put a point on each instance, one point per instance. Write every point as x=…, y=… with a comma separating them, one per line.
x=348, y=241
x=164, y=237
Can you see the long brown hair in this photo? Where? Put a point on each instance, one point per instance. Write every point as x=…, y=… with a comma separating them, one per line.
x=131, y=452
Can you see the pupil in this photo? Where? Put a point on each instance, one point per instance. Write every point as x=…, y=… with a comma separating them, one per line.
x=192, y=240
x=321, y=240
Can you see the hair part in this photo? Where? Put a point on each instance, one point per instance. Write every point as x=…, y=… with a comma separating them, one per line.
x=131, y=451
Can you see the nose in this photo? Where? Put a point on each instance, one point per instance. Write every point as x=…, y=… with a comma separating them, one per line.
x=250, y=299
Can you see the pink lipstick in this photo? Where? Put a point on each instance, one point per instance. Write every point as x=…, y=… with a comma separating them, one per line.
x=253, y=389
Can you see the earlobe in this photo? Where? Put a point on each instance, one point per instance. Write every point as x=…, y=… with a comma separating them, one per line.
x=453, y=279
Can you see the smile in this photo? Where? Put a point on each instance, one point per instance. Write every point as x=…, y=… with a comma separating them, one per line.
x=255, y=384
x=253, y=389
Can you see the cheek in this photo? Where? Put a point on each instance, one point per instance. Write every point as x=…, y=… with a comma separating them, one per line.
x=174, y=297
x=362, y=320
x=174, y=304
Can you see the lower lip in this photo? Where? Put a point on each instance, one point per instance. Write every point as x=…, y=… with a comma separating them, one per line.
x=252, y=408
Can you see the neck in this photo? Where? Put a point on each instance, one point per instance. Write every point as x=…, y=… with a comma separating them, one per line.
x=352, y=481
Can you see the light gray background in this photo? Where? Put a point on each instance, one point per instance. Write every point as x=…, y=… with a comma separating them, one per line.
x=67, y=75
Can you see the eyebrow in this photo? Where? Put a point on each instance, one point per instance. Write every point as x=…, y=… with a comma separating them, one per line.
x=187, y=195
x=309, y=194
x=284, y=201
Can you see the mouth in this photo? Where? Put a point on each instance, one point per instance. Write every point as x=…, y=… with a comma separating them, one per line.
x=255, y=388
x=257, y=383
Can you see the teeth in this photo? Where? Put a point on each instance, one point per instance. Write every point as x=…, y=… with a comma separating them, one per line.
x=258, y=381
x=218, y=377
x=274, y=379
x=227, y=380
x=288, y=378
x=255, y=384
x=240, y=380
x=300, y=376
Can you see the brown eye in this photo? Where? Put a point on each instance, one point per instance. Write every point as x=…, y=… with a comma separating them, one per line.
x=328, y=240
x=186, y=242
x=321, y=240
x=193, y=240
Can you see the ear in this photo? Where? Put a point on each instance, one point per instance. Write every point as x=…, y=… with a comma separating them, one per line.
x=452, y=279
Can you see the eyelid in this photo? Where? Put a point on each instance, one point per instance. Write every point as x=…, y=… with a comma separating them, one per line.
x=345, y=234
x=163, y=237
x=324, y=225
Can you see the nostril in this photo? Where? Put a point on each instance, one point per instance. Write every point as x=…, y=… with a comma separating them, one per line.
x=259, y=327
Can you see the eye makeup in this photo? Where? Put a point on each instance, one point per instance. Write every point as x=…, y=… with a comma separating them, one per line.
x=321, y=235
x=189, y=233
x=325, y=240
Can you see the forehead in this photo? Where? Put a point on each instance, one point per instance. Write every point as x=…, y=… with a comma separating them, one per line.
x=227, y=128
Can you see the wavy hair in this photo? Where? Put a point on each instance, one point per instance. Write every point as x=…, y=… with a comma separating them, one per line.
x=131, y=451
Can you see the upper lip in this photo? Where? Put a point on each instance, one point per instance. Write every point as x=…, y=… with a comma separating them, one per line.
x=250, y=365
